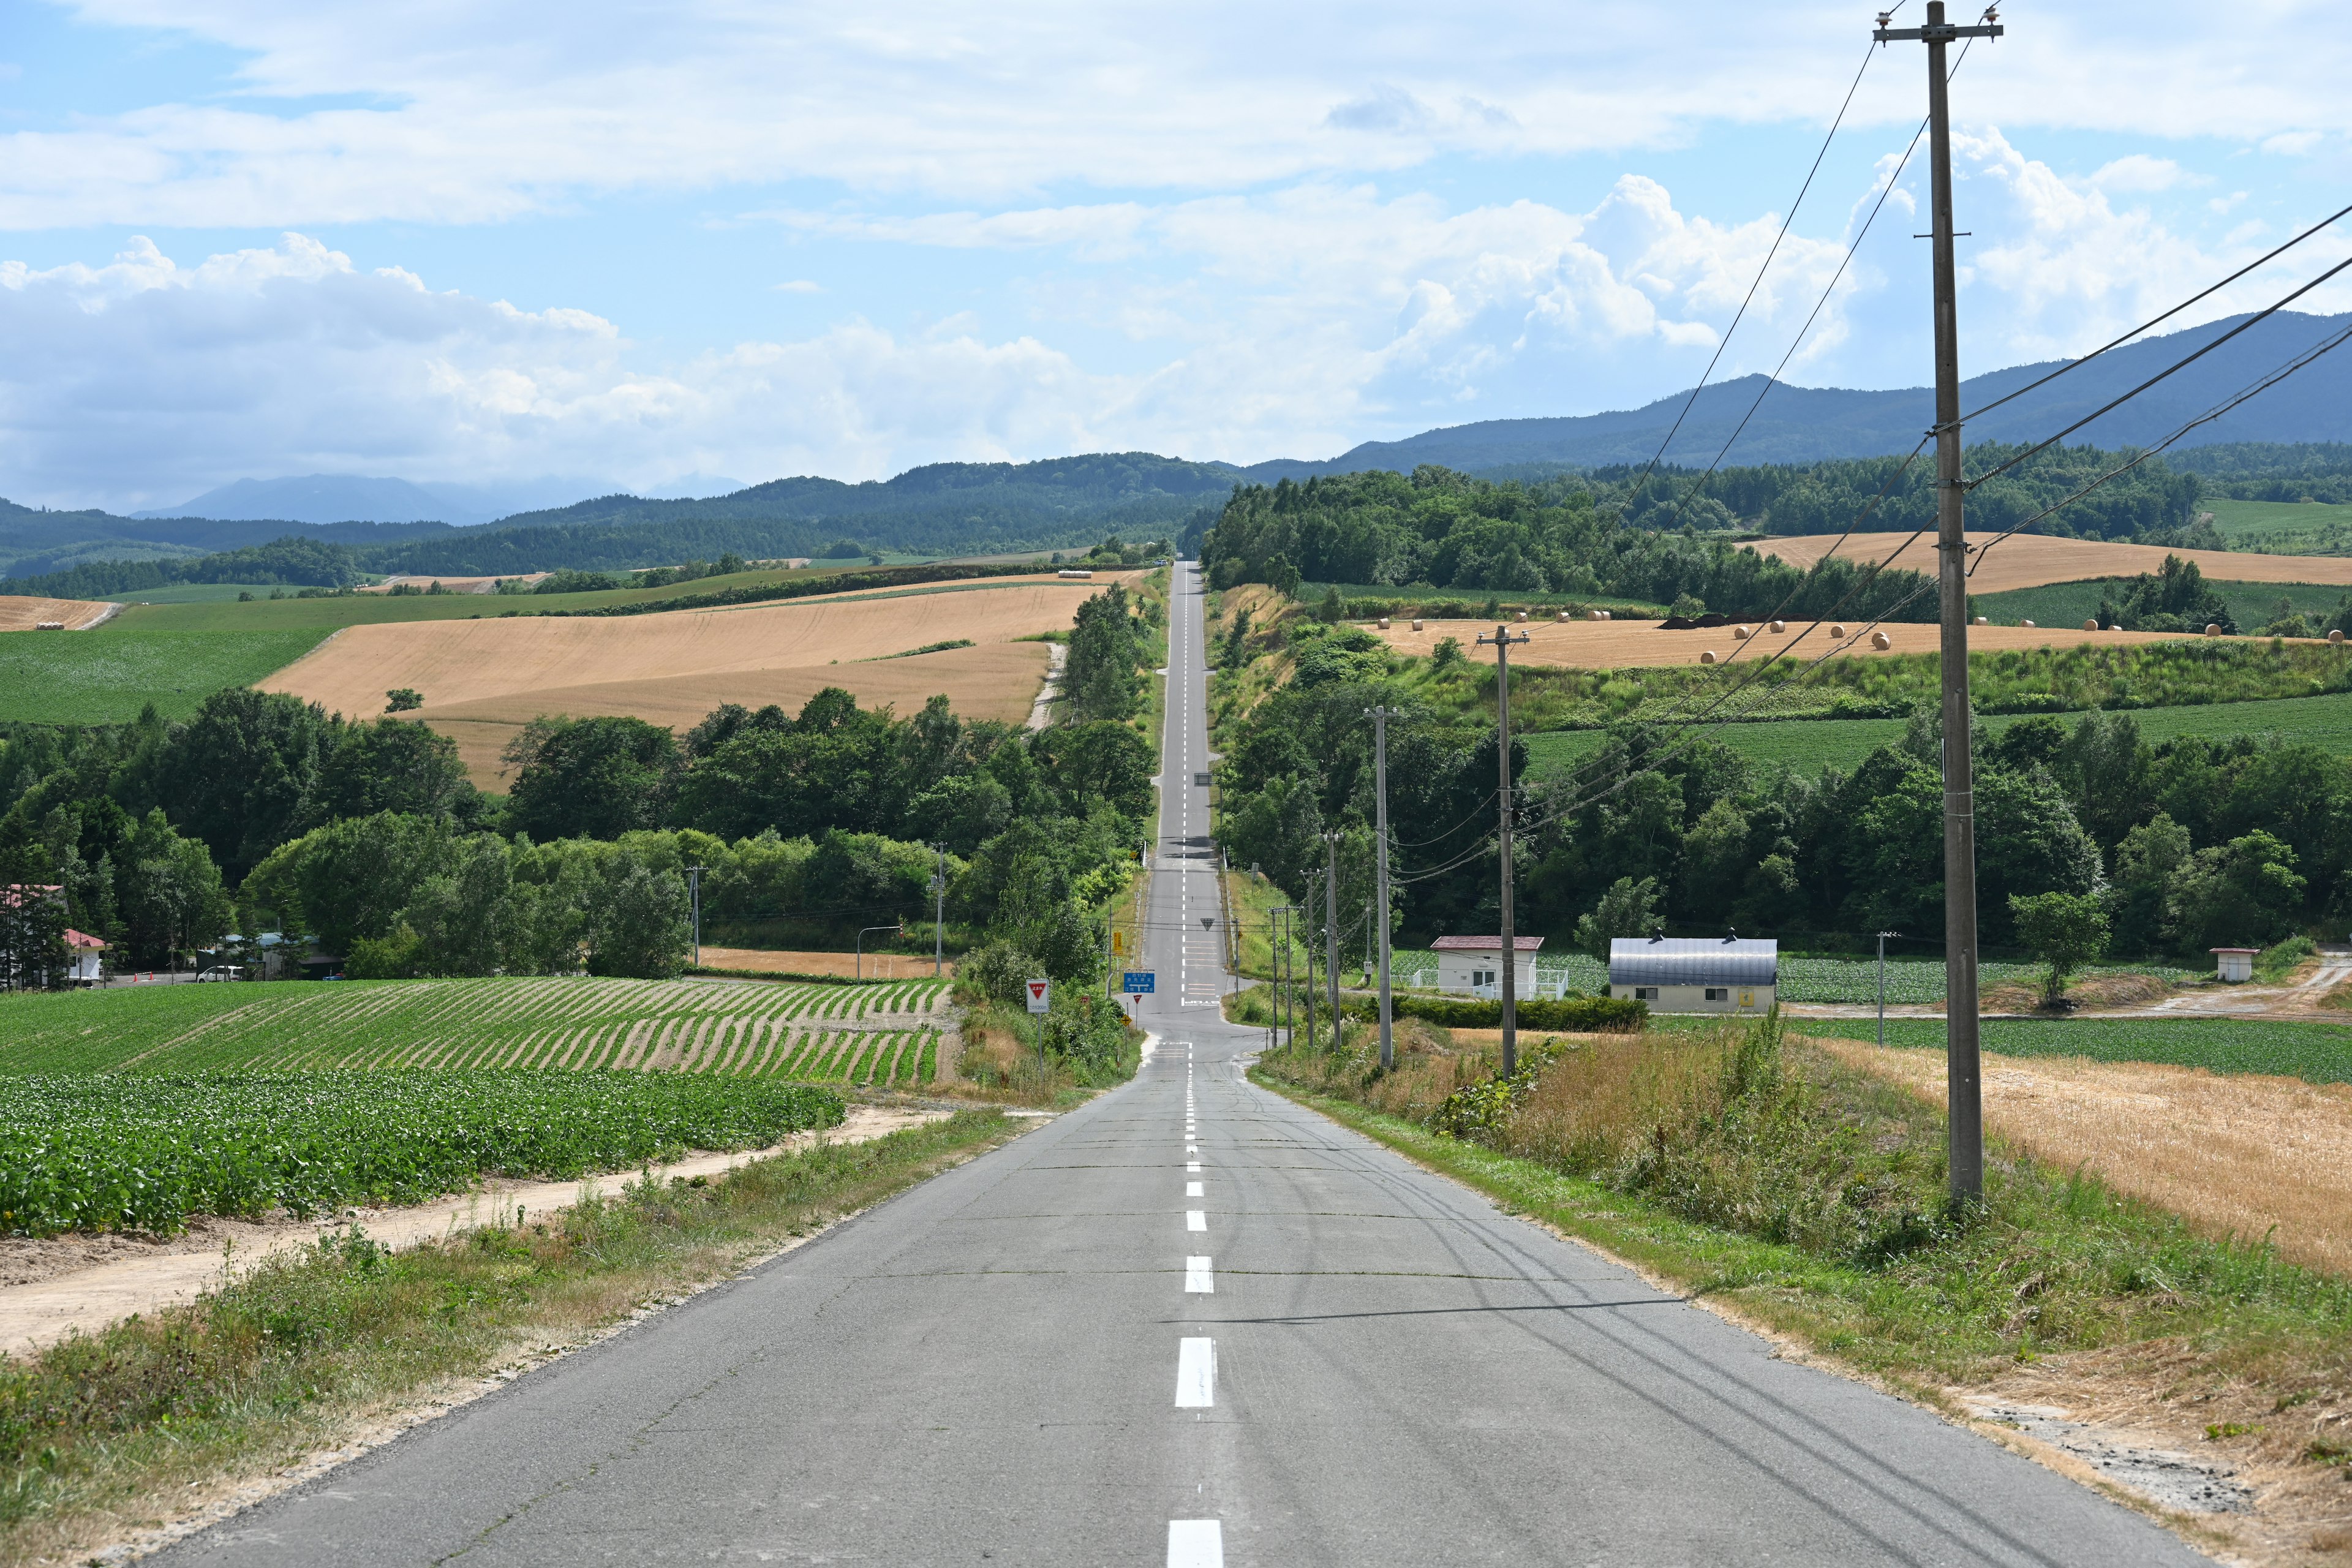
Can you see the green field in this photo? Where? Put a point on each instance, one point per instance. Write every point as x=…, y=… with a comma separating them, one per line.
x=2252, y=606
x=2319, y=1053
x=108, y=675
x=1809, y=745
x=882, y=1033
x=99, y=1151
x=201, y=592
x=2284, y=527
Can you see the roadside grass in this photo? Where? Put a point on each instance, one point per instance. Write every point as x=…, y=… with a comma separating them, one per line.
x=114, y=1432
x=2252, y=606
x=1811, y=745
x=1808, y=1197
x=108, y=675
x=2316, y=1053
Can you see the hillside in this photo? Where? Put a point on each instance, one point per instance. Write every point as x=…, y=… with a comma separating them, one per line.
x=1796, y=423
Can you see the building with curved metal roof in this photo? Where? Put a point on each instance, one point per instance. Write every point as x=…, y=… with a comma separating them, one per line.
x=1695, y=975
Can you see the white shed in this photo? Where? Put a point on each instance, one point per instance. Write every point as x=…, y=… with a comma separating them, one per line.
x=2235, y=963
x=1474, y=964
x=82, y=960
x=1695, y=975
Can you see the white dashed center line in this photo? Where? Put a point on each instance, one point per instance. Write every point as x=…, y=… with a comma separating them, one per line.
x=1199, y=1280
x=1196, y=1219
x=1196, y=1374
x=1196, y=1544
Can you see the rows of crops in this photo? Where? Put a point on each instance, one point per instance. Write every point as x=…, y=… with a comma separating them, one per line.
x=558, y=1022
x=2319, y=1053
x=106, y=1151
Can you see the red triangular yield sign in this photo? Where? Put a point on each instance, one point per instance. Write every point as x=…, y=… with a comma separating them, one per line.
x=1036, y=988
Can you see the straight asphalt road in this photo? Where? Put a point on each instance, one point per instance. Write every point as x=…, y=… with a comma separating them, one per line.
x=1187, y=1323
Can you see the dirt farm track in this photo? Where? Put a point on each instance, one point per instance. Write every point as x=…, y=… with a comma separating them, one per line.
x=482, y=679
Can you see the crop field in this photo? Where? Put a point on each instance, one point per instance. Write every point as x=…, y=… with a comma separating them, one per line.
x=2252, y=606
x=693, y=1027
x=2030, y=560
x=483, y=679
x=108, y=675
x=1810, y=745
x=2301, y=528
x=21, y=613
x=2318, y=1053
x=97, y=1152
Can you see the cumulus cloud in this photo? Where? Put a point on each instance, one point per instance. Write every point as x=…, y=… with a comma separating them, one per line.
x=477, y=112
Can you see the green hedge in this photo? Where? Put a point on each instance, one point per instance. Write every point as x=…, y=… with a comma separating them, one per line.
x=1579, y=1014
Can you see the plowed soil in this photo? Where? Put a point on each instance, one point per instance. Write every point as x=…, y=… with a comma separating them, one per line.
x=2030, y=561
x=20, y=614
x=482, y=679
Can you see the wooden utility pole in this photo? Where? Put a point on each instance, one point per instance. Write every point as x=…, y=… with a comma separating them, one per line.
x=1331, y=928
x=1963, y=1117
x=1503, y=639
x=1381, y=717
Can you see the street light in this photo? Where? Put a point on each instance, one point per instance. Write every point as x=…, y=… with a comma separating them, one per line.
x=901, y=927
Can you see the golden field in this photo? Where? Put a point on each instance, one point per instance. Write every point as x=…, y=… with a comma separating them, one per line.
x=2032, y=561
x=2231, y=1152
x=483, y=679
x=21, y=613
x=1619, y=644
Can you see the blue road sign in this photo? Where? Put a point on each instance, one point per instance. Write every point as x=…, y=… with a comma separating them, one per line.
x=1139, y=983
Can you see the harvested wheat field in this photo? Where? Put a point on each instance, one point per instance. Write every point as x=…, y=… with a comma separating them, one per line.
x=848, y=965
x=2030, y=561
x=482, y=679
x=20, y=614
x=2232, y=1154
x=1619, y=644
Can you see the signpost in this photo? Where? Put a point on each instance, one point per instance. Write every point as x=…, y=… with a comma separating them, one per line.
x=1138, y=982
x=1039, y=1002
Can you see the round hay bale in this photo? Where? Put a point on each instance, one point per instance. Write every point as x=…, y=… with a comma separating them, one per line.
x=2115, y=628
x=2212, y=630
x=1520, y=616
x=1707, y=658
x=1779, y=627
x=2090, y=626
x=1838, y=630
x=1608, y=615
x=1384, y=623
x=1561, y=617
x=1416, y=624
x=1739, y=634
x=1982, y=622
x=2335, y=636
x=2025, y=622
x=1881, y=641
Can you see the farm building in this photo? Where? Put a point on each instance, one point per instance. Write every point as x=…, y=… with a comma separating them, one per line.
x=1474, y=964
x=82, y=962
x=1695, y=975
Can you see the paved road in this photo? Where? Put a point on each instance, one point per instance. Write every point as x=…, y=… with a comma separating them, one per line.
x=1188, y=1323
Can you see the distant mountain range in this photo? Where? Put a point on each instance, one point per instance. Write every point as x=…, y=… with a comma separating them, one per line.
x=979, y=507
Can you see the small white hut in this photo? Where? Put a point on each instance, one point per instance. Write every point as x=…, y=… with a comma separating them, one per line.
x=1473, y=965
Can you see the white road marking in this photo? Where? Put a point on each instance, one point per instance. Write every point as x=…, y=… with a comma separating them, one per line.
x=1196, y=1544
x=1199, y=1279
x=1196, y=1219
x=1196, y=1374
x=1196, y=1190
x=1192, y=1148
x=1193, y=1168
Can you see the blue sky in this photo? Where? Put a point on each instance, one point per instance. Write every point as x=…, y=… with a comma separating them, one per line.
x=615, y=245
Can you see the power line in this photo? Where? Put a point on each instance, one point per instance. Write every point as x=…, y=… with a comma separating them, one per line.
x=1758, y=281
x=2144, y=326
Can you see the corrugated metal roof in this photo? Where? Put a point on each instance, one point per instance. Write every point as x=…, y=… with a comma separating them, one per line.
x=1693, y=961
x=1487, y=943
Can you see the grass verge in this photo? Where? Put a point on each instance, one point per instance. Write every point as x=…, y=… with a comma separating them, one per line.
x=97, y=1432
x=1806, y=1198
x=2316, y=1053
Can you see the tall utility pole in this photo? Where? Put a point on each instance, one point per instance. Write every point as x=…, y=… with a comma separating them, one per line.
x=1381, y=717
x=939, y=914
x=1503, y=639
x=694, y=896
x=1331, y=928
x=1882, y=985
x=1308, y=909
x=1964, y=1121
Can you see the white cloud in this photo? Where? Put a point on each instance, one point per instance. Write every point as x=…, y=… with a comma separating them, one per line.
x=2293, y=143
x=2139, y=172
x=798, y=286
x=492, y=110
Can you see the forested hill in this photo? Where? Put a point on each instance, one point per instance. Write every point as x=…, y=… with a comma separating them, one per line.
x=1798, y=423
x=34, y=540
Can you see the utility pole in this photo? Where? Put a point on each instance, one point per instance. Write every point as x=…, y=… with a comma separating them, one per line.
x=1964, y=1088
x=694, y=896
x=1882, y=985
x=1308, y=909
x=1381, y=717
x=1331, y=928
x=1503, y=639
x=939, y=914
